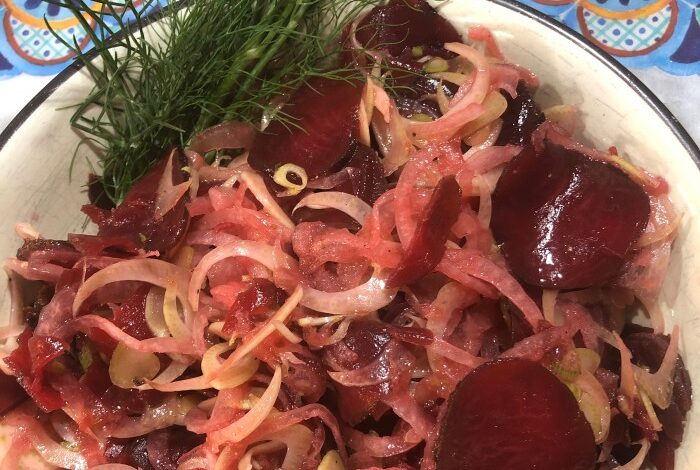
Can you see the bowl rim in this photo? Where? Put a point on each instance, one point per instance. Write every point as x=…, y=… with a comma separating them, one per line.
x=602, y=56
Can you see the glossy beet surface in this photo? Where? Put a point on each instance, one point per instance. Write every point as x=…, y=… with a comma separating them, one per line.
x=133, y=224
x=514, y=414
x=428, y=243
x=321, y=127
x=521, y=118
x=566, y=221
x=403, y=24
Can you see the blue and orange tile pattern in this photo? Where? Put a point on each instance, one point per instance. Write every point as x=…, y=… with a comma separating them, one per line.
x=639, y=33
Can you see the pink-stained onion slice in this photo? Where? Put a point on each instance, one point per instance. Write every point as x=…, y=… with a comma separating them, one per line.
x=344, y=202
x=153, y=271
x=459, y=264
x=167, y=194
x=171, y=412
x=638, y=460
x=594, y=404
x=242, y=428
x=260, y=252
x=363, y=299
x=488, y=158
x=628, y=386
x=659, y=385
x=445, y=349
x=279, y=317
x=256, y=185
x=154, y=345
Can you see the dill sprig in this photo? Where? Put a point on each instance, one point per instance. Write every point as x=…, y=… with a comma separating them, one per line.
x=155, y=86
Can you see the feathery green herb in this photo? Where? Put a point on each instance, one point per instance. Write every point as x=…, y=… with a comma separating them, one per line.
x=155, y=87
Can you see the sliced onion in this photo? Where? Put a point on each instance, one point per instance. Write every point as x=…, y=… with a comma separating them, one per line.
x=227, y=458
x=445, y=349
x=659, y=385
x=171, y=412
x=594, y=404
x=360, y=300
x=563, y=115
x=462, y=264
x=153, y=271
x=130, y=368
x=174, y=370
x=297, y=439
x=489, y=158
x=26, y=231
x=628, y=386
x=331, y=461
x=638, y=460
x=161, y=345
x=167, y=194
x=172, y=317
x=256, y=185
x=257, y=251
x=494, y=106
x=154, y=312
x=232, y=377
x=281, y=177
x=54, y=453
x=243, y=427
x=476, y=92
x=344, y=202
x=549, y=300
x=280, y=316
x=495, y=130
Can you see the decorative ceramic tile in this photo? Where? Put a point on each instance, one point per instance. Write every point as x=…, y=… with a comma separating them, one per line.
x=639, y=33
x=28, y=46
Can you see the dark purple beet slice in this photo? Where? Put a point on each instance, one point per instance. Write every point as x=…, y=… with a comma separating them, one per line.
x=565, y=221
x=322, y=127
x=405, y=23
x=513, y=413
x=428, y=243
x=366, y=179
x=521, y=118
x=134, y=223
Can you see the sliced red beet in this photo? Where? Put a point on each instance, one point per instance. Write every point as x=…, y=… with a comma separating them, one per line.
x=29, y=361
x=262, y=295
x=52, y=251
x=133, y=222
x=428, y=243
x=324, y=125
x=513, y=413
x=521, y=118
x=363, y=344
x=565, y=221
x=403, y=24
x=130, y=316
x=366, y=175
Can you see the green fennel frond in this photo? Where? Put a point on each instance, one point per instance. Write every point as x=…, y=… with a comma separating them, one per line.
x=158, y=83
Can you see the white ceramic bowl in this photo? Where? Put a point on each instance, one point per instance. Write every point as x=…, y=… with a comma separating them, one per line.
x=616, y=109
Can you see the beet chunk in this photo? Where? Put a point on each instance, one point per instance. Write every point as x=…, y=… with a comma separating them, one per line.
x=322, y=126
x=133, y=223
x=428, y=243
x=521, y=118
x=513, y=413
x=405, y=23
x=565, y=221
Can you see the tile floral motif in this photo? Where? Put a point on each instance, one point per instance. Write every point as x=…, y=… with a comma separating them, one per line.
x=639, y=33
x=28, y=46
